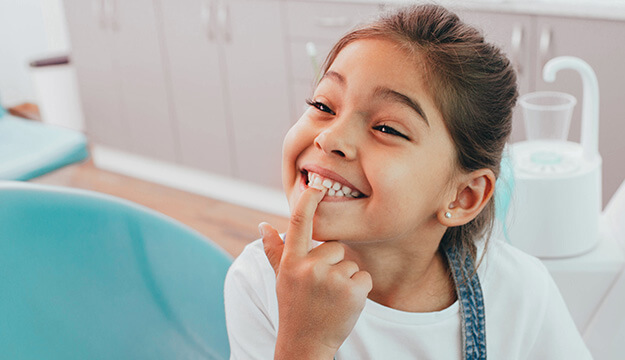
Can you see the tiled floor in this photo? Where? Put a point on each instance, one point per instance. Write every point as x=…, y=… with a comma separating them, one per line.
x=230, y=226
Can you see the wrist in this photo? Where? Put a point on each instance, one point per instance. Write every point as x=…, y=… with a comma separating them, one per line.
x=304, y=350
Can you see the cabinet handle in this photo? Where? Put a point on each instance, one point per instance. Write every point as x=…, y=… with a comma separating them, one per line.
x=206, y=15
x=544, y=45
x=99, y=11
x=332, y=22
x=516, y=42
x=110, y=14
x=224, y=21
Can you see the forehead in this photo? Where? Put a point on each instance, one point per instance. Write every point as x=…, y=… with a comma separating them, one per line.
x=381, y=62
x=367, y=65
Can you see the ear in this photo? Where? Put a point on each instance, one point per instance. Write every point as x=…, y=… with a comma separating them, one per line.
x=473, y=193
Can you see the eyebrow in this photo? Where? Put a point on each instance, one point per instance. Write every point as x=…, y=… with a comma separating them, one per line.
x=385, y=93
x=401, y=98
x=334, y=75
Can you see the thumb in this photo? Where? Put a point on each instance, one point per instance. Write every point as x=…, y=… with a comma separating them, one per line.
x=272, y=242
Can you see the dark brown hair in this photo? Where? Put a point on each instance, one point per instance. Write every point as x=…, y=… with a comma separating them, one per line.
x=475, y=90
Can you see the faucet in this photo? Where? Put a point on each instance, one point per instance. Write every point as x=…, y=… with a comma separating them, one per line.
x=590, y=108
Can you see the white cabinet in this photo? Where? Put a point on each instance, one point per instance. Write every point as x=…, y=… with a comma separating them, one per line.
x=118, y=58
x=226, y=62
x=98, y=82
x=257, y=88
x=202, y=83
x=192, y=38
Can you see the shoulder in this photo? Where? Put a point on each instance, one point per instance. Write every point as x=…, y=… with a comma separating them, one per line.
x=250, y=286
x=251, y=277
x=251, y=305
x=251, y=266
x=526, y=316
x=504, y=265
x=517, y=287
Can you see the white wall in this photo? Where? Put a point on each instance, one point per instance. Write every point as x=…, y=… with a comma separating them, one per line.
x=29, y=29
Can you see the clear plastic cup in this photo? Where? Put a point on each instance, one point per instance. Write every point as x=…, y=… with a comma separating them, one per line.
x=547, y=115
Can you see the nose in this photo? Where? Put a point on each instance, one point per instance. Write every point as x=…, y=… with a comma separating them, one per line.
x=339, y=138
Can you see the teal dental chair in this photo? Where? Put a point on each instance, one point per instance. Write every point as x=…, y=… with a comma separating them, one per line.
x=29, y=148
x=85, y=275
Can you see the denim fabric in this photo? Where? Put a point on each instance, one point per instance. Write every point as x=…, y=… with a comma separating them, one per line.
x=471, y=302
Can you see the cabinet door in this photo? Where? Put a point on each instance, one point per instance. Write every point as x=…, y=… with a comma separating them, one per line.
x=97, y=79
x=139, y=60
x=257, y=87
x=514, y=34
x=190, y=30
x=597, y=43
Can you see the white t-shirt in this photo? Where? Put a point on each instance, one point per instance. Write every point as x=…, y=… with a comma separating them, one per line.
x=526, y=317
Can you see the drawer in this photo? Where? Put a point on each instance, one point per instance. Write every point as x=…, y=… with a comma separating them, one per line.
x=325, y=20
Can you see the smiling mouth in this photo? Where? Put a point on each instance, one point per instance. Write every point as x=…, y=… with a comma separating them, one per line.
x=335, y=188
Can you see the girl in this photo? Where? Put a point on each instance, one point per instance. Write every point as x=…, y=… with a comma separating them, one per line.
x=392, y=171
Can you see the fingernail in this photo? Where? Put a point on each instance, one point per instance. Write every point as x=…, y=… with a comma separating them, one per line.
x=261, y=229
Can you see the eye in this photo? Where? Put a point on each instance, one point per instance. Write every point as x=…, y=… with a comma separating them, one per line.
x=320, y=106
x=389, y=130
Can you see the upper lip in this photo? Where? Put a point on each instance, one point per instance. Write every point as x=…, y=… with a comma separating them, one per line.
x=329, y=174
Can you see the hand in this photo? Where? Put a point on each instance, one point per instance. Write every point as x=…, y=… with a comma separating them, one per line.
x=320, y=294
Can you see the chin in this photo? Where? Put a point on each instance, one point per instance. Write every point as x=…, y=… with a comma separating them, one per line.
x=329, y=231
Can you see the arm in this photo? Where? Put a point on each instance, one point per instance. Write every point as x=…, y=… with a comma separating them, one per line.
x=558, y=336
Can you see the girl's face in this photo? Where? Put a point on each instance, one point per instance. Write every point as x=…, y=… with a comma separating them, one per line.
x=372, y=130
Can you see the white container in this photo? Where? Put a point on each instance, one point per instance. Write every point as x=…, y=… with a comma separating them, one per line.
x=556, y=201
x=55, y=83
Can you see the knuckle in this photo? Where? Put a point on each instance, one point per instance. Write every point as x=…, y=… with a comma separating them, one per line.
x=336, y=277
x=363, y=280
x=298, y=218
x=352, y=266
x=311, y=270
x=336, y=248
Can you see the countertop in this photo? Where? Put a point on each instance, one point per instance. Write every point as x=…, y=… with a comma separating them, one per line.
x=593, y=9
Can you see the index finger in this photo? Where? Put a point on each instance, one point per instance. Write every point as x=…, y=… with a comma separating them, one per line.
x=299, y=233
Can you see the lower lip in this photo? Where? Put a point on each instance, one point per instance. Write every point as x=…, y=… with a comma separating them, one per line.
x=326, y=198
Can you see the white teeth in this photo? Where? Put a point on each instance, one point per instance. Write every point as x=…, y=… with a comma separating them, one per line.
x=334, y=187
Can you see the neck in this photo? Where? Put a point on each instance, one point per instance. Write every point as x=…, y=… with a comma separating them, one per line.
x=405, y=278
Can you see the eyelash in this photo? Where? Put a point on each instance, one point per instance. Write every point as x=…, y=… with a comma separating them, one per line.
x=382, y=128
x=389, y=130
x=320, y=106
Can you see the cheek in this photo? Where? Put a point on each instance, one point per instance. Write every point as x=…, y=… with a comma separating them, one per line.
x=296, y=141
x=406, y=188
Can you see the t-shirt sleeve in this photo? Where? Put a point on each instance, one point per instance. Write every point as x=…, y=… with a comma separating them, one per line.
x=251, y=305
x=557, y=336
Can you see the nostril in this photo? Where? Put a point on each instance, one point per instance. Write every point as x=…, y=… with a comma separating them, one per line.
x=339, y=153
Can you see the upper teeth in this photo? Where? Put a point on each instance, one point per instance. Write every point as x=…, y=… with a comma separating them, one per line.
x=335, y=188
